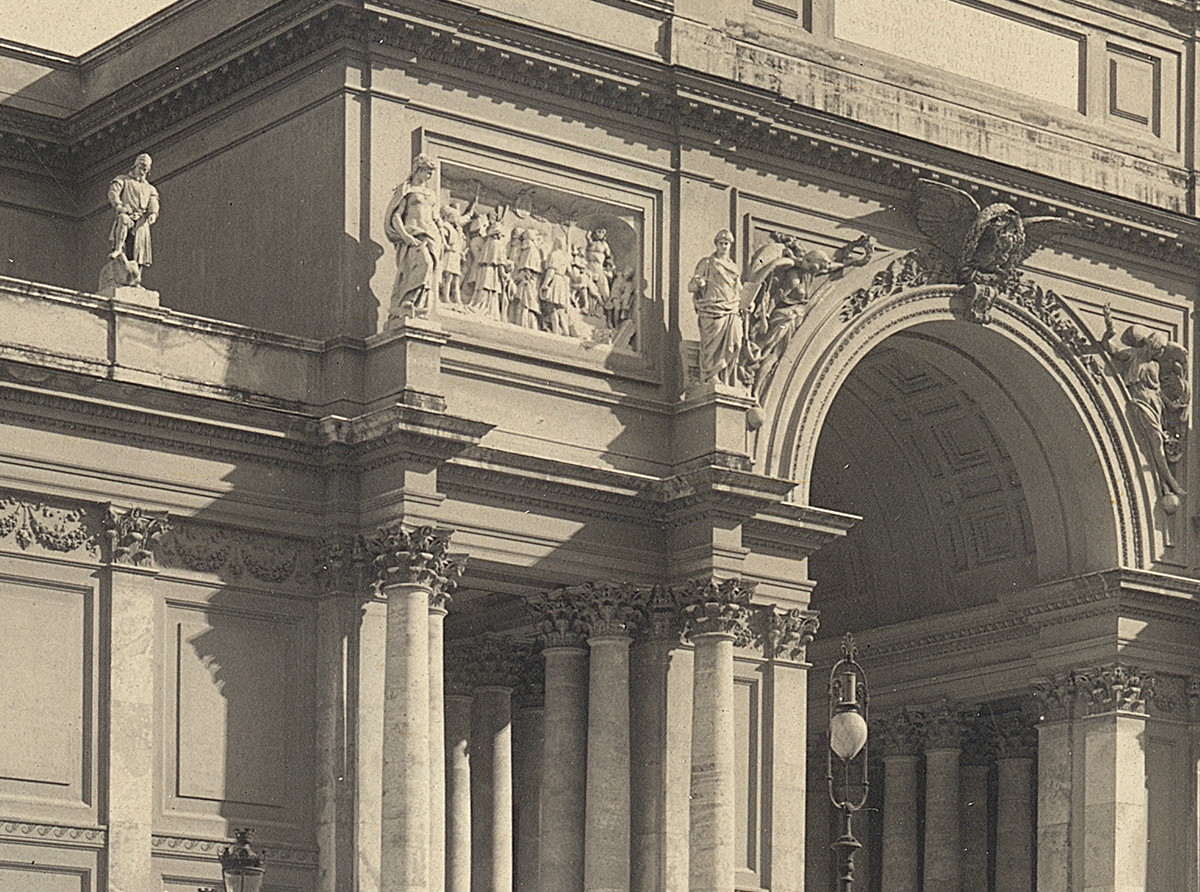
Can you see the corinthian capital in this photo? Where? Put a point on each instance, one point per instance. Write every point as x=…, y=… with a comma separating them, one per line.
x=559, y=617
x=1113, y=688
x=718, y=608
x=414, y=557
x=661, y=618
x=133, y=533
x=488, y=661
x=341, y=563
x=784, y=634
x=608, y=609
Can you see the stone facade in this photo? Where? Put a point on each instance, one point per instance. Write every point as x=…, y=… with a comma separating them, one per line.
x=417, y=520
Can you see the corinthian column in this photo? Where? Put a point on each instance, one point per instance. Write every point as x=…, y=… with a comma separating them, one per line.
x=496, y=664
x=564, y=756
x=717, y=619
x=943, y=736
x=410, y=567
x=437, y=742
x=608, y=612
x=784, y=636
x=1016, y=743
x=898, y=739
x=458, y=771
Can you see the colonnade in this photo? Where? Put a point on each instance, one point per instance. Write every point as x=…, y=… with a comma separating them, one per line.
x=448, y=809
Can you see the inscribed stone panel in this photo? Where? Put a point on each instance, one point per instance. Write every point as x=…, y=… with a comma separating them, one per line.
x=979, y=42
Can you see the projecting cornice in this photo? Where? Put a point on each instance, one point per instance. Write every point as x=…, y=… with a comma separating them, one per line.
x=727, y=117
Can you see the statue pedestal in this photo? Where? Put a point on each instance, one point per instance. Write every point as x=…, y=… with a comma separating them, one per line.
x=131, y=294
x=118, y=280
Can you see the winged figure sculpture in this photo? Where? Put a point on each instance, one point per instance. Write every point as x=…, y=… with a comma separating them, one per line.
x=987, y=245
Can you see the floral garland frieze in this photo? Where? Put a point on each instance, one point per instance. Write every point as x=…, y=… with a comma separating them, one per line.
x=36, y=525
x=234, y=555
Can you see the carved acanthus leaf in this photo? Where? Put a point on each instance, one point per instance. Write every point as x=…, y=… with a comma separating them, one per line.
x=713, y=607
x=133, y=534
x=1113, y=688
x=609, y=609
x=560, y=618
x=489, y=660
x=341, y=563
x=784, y=634
x=899, y=732
x=416, y=557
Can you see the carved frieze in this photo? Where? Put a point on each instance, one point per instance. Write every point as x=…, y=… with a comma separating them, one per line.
x=134, y=533
x=234, y=555
x=488, y=660
x=503, y=251
x=418, y=556
x=277, y=854
x=34, y=524
x=784, y=634
x=22, y=831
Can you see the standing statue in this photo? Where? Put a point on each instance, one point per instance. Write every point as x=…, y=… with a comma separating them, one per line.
x=601, y=268
x=135, y=204
x=987, y=245
x=525, y=308
x=411, y=224
x=556, y=290
x=453, y=253
x=1155, y=372
x=716, y=288
x=491, y=273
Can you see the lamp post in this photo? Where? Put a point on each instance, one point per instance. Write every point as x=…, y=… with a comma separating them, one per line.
x=241, y=867
x=846, y=761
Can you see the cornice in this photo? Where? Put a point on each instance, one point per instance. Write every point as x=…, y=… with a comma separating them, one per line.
x=646, y=90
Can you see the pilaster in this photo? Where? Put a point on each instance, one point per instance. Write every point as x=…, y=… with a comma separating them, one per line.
x=131, y=571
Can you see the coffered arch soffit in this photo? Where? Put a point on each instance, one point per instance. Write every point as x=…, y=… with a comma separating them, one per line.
x=1061, y=423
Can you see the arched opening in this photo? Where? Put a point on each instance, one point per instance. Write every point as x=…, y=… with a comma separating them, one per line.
x=981, y=459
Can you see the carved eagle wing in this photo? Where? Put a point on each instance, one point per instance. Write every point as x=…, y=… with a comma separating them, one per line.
x=944, y=214
x=1041, y=232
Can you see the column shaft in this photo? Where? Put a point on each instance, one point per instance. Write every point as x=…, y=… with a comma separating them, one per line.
x=371, y=660
x=527, y=781
x=973, y=794
x=1014, y=825
x=406, y=783
x=458, y=793
x=1115, y=818
x=660, y=747
x=942, y=867
x=335, y=720
x=564, y=767
x=1055, y=772
x=491, y=790
x=131, y=753
x=711, y=863
x=787, y=736
x=606, y=835
x=437, y=751
x=900, y=823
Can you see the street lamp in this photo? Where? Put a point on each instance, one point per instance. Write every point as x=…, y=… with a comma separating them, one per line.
x=847, y=752
x=241, y=868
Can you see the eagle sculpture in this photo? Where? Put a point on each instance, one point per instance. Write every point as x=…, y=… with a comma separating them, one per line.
x=986, y=245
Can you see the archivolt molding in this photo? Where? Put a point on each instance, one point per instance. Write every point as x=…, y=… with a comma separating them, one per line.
x=846, y=326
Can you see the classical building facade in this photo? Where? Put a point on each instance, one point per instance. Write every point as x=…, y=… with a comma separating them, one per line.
x=470, y=491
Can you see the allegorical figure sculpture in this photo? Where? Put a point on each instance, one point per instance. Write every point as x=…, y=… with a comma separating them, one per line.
x=783, y=281
x=987, y=245
x=135, y=205
x=411, y=223
x=716, y=287
x=1155, y=372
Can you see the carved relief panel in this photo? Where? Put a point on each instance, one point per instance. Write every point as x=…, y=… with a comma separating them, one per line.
x=524, y=251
